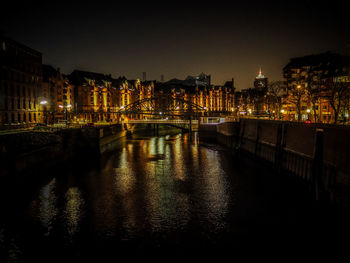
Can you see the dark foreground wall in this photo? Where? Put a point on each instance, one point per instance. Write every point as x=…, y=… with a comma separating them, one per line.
x=318, y=154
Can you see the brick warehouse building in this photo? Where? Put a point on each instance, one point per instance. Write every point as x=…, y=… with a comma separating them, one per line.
x=21, y=78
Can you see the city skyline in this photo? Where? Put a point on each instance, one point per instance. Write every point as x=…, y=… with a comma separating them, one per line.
x=224, y=40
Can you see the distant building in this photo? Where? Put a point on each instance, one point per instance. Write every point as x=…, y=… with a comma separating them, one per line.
x=260, y=108
x=96, y=98
x=99, y=97
x=252, y=101
x=162, y=78
x=215, y=100
x=58, y=95
x=144, y=78
x=20, y=83
x=260, y=82
x=313, y=80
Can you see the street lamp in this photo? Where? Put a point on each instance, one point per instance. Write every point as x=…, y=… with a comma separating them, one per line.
x=44, y=103
x=65, y=110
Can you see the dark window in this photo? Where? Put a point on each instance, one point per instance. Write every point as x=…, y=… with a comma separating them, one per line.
x=18, y=104
x=19, y=117
x=24, y=104
x=30, y=117
x=12, y=103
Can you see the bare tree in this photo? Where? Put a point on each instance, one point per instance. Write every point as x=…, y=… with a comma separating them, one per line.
x=338, y=96
x=275, y=93
x=313, y=85
x=296, y=96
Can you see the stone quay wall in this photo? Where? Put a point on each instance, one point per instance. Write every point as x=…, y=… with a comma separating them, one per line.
x=318, y=154
x=20, y=152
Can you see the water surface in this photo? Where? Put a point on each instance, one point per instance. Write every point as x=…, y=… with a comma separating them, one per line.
x=154, y=194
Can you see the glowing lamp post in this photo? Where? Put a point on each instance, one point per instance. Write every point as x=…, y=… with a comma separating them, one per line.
x=43, y=103
x=282, y=112
x=65, y=110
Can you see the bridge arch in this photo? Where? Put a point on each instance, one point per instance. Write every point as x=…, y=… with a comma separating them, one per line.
x=163, y=105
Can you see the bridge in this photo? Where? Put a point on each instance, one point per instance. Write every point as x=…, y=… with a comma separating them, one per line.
x=162, y=106
x=185, y=125
x=165, y=109
x=162, y=121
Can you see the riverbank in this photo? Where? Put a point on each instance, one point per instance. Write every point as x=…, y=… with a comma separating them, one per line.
x=30, y=151
x=315, y=154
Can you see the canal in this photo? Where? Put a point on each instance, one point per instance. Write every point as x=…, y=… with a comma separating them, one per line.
x=165, y=194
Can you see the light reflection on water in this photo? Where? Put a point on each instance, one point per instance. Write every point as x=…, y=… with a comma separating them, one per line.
x=47, y=206
x=155, y=185
x=156, y=192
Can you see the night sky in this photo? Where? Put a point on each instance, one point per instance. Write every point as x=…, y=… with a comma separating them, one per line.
x=179, y=38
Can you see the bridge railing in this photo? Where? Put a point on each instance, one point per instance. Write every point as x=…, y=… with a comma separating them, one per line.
x=165, y=121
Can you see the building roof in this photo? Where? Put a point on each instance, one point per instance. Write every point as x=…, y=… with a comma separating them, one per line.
x=48, y=72
x=11, y=42
x=191, y=81
x=79, y=77
x=326, y=60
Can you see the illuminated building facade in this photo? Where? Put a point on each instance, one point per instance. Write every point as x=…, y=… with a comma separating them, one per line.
x=216, y=100
x=20, y=83
x=99, y=97
x=95, y=98
x=132, y=91
x=56, y=97
x=317, y=88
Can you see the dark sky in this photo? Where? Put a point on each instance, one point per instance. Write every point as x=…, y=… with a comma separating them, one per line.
x=179, y=38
